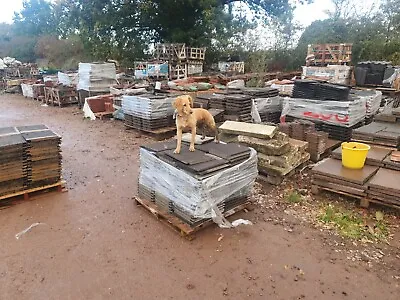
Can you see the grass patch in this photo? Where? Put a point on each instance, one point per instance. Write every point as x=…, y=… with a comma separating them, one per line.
x=294, y=197
x=352, y=225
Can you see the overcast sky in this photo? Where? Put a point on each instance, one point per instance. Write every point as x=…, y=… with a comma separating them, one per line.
x=305, y=14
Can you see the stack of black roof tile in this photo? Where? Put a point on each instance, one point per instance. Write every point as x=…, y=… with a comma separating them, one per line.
x=238, y=108
x=43, y=155
x=308, y=89
x=148, y=124
x=148, y=112
x=214, y=100
x=304, y=89
x=30, y=157
x=261, y=92
x=327, y=91
x=13, y=175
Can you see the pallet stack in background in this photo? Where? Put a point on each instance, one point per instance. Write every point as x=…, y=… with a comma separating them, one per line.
x=30, y=157
x=183, y=60
x=148, y=112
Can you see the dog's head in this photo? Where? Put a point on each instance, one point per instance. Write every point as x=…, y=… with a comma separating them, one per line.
x=183, y=104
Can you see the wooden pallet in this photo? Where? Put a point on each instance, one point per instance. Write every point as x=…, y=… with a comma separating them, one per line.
x=364, y=201
x=104, y=114
x=177, y=224
x=158, y=134
x=7, y=200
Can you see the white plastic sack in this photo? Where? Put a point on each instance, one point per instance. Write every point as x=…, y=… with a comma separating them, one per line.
x=236, y=84
x=88, y=113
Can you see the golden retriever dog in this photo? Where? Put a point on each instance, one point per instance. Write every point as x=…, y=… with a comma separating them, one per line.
x=188, y=118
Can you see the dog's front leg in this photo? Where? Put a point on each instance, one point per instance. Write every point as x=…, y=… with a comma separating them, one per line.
x=178, y=140
x=191, y=148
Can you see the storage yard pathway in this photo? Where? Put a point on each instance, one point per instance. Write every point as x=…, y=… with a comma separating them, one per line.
x=95, y=243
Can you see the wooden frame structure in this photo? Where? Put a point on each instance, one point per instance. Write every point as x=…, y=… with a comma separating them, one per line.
x=60, y=96
x=325, y=54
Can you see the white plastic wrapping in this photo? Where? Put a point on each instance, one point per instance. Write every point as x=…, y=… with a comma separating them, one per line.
x=392, y=78
x=2, y=65
x=27, y=90
x=87, y=112
x=11, y=61
x=198, y=197
x=265, y=105
x=51, y=78
x=96, y=76
x=67, y=79
x=339, y=113
x=148, y=106
x=137, y=91
x=332, y=73
x=373, y=100
x=284, y=89
x=272, y=104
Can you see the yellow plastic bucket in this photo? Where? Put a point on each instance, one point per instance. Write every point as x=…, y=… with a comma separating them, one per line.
x=354, y=154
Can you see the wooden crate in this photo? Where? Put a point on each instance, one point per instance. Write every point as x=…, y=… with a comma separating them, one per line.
x=171, y=52
x=60, y=96
x=196, y=53
x=38, y=92
x=178, y=71
x=325, y=54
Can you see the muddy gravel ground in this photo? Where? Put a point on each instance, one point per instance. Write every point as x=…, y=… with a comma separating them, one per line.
x=95, y=243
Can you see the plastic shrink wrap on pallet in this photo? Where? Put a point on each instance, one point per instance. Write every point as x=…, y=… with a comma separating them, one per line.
x=341, y=113
x=148, y=106
x=198, y=197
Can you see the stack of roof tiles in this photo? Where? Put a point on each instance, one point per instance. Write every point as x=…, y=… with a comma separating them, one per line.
x=306, y=131
x=308, y=89
x=378, y=181
x=147, y=112
x=30, y=157
x=13, y=164
x=43, y=155
x=96, y=77
x=380, y=133
x=197, y=194
x=238, y=107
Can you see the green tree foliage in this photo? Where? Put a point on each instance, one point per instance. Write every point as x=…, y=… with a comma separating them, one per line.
x=375, y=36
x=123, y=29
x=35, y=18
x=66, y=31
x=64, y=53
